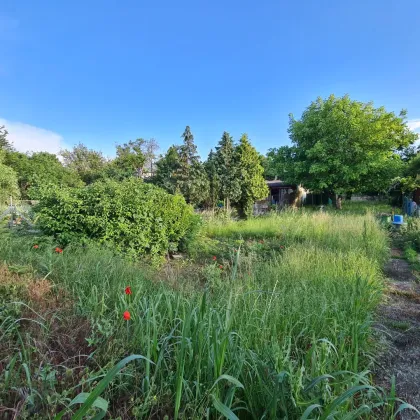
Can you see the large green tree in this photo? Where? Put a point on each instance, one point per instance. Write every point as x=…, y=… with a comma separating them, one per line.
x=343, y=146
x=214, y=181
x=180, y=171
x=130, y=159
x=227, y=170
x=8, y=181
x=410, y=178
x=166, y=171
x=250, y=171
x=89, y=164
x=191, y=177
x=39, y=169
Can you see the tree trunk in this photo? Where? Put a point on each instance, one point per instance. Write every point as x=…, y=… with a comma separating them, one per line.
x=338, y=203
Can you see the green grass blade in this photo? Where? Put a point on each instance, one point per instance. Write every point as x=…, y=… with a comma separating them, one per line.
x=90, y=400
x=309, y=410
x=223, y=409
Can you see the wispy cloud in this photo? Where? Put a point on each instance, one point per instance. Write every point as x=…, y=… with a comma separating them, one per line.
x=28, y=138
x=414, y=125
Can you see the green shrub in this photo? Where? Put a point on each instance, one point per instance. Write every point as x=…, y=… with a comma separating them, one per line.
x=134, y=217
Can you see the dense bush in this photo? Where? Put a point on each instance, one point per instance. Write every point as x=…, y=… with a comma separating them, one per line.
x=136, y=218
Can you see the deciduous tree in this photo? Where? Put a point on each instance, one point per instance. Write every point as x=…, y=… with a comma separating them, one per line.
x=341, y=145
x=8, y=181
x=89, y=164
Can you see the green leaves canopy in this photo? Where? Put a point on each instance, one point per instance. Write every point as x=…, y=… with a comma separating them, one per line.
x=341, y=145
x=8, y=181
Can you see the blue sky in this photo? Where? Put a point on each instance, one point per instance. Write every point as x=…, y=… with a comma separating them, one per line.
x=104, y=72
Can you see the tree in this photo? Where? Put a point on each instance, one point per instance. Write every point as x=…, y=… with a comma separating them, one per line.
x=230, y=187
x=39, y=169
x=8, y=181
x=4, y=143
x=130, y=159
x=210, y=167
x=341, y=145
x=89, y=164
x=250, y=170
x=149, y=148
x=410, y=179
x=279, y=164
x=166, y=169
x=191, y=177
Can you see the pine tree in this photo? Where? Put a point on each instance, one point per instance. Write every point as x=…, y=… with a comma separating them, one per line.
x=253, y=185
x=230, y=187
x=180, y=171
x=214, y=180
x=191, y=177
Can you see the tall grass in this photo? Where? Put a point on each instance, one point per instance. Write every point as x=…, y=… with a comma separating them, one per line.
x=283, y=338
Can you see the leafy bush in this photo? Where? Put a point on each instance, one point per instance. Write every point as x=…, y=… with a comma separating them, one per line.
x=134, y=217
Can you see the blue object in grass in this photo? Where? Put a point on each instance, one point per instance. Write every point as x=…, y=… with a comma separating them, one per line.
x=398, y=219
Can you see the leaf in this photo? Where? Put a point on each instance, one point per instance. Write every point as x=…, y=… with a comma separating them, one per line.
x=309, y=410
x=405, y=406
x=343, y=397
x=229, y=378
x=316, y=381
x=99, y=403
x=223, y=409
x=90, y=400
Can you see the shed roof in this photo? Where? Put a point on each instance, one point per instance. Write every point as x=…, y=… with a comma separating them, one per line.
x=278, y=183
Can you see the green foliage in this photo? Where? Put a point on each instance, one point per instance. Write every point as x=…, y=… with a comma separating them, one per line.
x=8, y=181
x=130, y=159
x=227, y=170
x=166, y=170
x=410, y=180
x=191, y=177
x=250, y=175
x=180, y=171
x=89, y=164
x=295, y=328
x=39, y=169
x=136, y=218
x=214, y=181
x=4, y=143
x=340, y=145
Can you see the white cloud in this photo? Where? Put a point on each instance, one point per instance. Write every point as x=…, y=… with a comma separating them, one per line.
x=414, y=125
x=28, y=138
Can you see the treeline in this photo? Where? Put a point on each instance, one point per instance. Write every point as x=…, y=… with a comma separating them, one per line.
x=338, y=146
x=232, y=175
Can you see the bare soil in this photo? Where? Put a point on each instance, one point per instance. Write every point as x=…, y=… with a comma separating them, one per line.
x=399, y=328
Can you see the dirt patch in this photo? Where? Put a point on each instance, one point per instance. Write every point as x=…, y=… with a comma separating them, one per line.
x=399, y=270
x=399, y=328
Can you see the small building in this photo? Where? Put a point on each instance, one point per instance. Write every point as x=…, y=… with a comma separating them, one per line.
x=281, y=195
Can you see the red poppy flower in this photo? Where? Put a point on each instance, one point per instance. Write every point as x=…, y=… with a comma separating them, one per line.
x=36, y=246
x=128, y=290
x=58, y=250
x=214, y=258
x=127, y=315
x=221, y=267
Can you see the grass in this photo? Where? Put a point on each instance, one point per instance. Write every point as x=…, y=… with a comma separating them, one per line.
x=359, y=207
x=278, y=326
